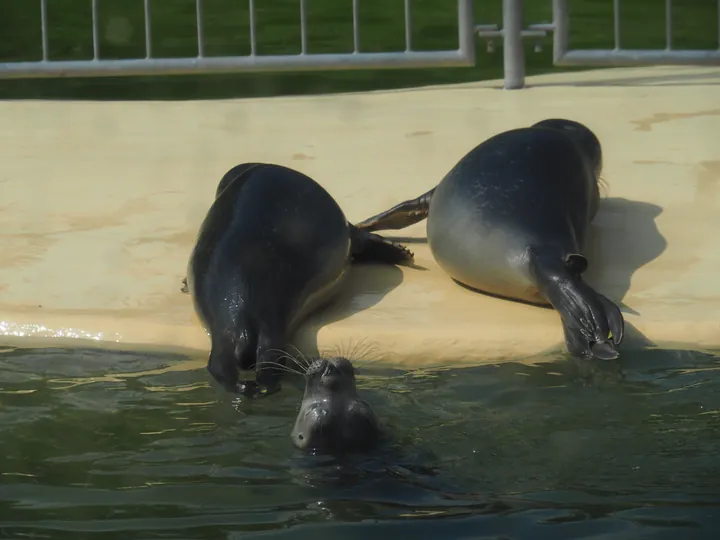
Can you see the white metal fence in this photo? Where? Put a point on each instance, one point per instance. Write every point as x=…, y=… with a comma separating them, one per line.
x=618, y=56
x=514, y=50
x=464, y=55
x=512, y=34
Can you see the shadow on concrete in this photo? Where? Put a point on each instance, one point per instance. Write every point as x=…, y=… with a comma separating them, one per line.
x=622, y=239
x=366, y=286
x=629, y=241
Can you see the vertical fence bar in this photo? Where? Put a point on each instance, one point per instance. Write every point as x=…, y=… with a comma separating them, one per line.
x=718, y=27
x=668, y=24
x=200, y=28
x=408, y=26
x=356, y=25
x=253, y=37
x=466, y=28
x=43, y=29
x=514, y=53
x=303, y=27
x=561, y=19
x=148, y=31
x=616, y=23
x=95, y=30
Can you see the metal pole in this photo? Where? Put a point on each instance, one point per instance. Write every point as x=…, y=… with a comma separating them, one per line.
x=561, y=30
x=148, y=31
x=408, y=25
x=668, y=25
x=44, y=29
x=253, y=37
x=616, y=23
x=356, y=26
x=200, y=27
x=95, y=30
x=466, y=29
x=303, y=27
x=514, y=53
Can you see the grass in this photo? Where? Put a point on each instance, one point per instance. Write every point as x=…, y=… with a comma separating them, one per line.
x=330, y=30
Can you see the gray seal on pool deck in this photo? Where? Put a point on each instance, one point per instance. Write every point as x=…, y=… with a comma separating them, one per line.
x=332, y=418
x=273, y=247
x=510, y=219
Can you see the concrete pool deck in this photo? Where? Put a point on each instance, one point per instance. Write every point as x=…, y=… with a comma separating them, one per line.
x=101, y=202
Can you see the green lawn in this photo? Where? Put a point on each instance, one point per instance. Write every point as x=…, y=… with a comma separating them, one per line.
x=330, y=30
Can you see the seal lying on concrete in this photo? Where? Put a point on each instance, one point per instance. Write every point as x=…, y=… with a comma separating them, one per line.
x=273, y=248
x=332, y=418
x=510, y=219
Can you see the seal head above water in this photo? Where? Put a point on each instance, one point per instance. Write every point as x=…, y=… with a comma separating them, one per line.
x=511, y=219
x=332, y=417
x=273, y=247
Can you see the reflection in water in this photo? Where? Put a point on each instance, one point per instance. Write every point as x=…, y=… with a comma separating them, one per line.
x=143, y=446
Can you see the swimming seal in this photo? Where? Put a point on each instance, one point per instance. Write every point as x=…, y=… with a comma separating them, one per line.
x=332, y=418
x=273, y=247
x=510, y=219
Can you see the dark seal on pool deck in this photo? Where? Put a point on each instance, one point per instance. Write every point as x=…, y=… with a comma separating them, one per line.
x=273, y=248
x=332, y=417
x=510, y=219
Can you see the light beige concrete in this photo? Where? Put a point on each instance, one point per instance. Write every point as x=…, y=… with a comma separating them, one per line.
x=100, y=203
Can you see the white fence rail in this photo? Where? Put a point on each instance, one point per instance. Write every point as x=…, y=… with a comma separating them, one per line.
x=464, y=55
x=563, y=56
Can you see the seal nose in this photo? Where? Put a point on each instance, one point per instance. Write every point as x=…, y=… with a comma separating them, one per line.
x=300, y=441
x=330, y=369
x=329, y=374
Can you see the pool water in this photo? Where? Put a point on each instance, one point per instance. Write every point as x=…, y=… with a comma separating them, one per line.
x=99, y=444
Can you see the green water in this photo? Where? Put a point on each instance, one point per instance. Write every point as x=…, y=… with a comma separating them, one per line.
x=117, y=445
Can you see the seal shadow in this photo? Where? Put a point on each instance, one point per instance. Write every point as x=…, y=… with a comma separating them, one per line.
x=365, y=286
x=623, y=238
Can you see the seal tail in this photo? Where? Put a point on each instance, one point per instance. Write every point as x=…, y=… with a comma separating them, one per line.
x=369, y=247
x=400, y=216
x=593, y=324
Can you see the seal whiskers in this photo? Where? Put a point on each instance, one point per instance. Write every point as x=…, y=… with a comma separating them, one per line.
x=332, y=418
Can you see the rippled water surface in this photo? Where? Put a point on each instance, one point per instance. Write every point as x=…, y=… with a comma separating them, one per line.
x=99, y=444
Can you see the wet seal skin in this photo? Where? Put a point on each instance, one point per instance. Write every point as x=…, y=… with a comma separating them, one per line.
x=273, y=248
x=332, y=418
x=510, y=219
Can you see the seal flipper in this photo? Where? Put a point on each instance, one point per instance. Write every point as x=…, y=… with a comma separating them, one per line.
x=400, y=216
x=593, y=325
x=228, y=356
x=369, y=247
x=270, y=364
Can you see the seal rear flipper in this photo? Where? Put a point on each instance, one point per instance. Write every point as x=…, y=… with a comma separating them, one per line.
x=369, y=247
x=400, y=216
x=224, y=369
x=593, y=325
x=228, y=355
